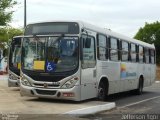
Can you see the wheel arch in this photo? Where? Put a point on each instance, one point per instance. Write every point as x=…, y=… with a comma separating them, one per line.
x=141, y=77
x=105, y=80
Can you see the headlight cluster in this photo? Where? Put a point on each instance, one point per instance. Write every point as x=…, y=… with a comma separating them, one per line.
x=13, y=77
x=70, y=83
x=25, y=82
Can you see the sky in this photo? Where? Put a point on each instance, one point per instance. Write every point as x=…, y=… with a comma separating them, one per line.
x=122, y=16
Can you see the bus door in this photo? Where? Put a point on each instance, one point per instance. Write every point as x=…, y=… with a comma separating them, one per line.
x=88, y=67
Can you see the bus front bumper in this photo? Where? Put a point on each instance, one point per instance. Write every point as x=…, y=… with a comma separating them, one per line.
x=67, y=94
x=13, y=83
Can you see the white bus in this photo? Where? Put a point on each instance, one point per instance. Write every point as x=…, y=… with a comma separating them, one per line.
x=78, y=61
x=14, y=60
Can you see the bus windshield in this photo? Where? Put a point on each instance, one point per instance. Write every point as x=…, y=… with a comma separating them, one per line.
x=15, y=53
x=50, y=54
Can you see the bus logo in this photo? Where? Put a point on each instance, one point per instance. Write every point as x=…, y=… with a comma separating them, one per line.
x=45, y=85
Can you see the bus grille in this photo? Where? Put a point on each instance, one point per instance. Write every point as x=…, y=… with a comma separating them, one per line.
x=41, y=85
x=45, y=92
x=47, y=78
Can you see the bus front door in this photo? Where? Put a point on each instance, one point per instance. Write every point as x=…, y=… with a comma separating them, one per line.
x=88, y=68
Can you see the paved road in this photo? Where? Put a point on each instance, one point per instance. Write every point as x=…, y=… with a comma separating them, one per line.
x=127, y=104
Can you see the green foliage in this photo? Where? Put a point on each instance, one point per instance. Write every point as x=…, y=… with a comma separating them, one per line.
x=150, y=33
x=5, y=13
x=7, y=34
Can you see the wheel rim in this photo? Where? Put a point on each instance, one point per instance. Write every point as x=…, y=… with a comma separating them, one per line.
x=101, y=93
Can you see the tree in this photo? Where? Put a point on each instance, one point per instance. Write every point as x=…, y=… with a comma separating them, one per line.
x=8, y=33
x=5, y=12
x=5, y=35
x=150, y=33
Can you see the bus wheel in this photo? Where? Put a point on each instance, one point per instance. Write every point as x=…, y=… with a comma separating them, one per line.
x=102, y=91
x=139, y=91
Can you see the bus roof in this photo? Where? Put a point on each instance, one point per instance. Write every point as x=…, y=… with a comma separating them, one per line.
x=104, y=31
x=18, y=36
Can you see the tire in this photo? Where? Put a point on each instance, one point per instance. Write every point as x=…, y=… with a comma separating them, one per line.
x=102, y=91
x=139, y=91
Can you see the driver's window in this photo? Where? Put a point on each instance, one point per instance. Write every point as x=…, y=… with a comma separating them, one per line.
x=88, y=49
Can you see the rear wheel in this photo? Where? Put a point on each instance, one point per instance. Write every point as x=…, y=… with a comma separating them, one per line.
x=102, y=91
x=139, y=91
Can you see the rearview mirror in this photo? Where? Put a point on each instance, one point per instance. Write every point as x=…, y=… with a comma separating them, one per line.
x=87, y=43
x=4, y=52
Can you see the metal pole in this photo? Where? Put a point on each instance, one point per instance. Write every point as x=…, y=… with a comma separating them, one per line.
x=25, y=12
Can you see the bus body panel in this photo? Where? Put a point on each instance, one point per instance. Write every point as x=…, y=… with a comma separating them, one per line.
x=13, y=82
x=121, y=76
x=113, y=74
x=147, y=75
x=13, y=79
x=32, y=92
x=153, y=73
x=88, y=83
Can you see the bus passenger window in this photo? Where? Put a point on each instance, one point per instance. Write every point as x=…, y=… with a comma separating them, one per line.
x=88, y=50
x=102, y=47
x=147, y=55
x=125, y=51
x=141, y=54
x=152, y=53
x=113, y=49
x=133, y=53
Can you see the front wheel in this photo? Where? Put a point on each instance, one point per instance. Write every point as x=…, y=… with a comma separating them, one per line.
x=102, y=91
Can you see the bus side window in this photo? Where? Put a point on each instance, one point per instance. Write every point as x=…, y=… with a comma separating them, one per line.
x=147, y=55
x=152, y=56
x=102, y=47
x=125, y=51
x=88, y=52
x=141, y=54
x=113, y=52
x=133, y=52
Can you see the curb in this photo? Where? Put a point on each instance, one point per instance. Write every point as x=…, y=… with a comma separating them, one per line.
x=91, y=110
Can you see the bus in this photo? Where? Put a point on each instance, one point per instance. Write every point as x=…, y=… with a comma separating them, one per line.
x=74, y=60
x=14, y=60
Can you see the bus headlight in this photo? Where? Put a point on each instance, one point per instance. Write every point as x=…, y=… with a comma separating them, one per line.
x=70, y=83
x=12, y=77
x=25, y=82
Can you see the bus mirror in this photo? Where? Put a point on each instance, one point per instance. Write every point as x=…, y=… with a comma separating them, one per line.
x=23, y=51
x=88, y=43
